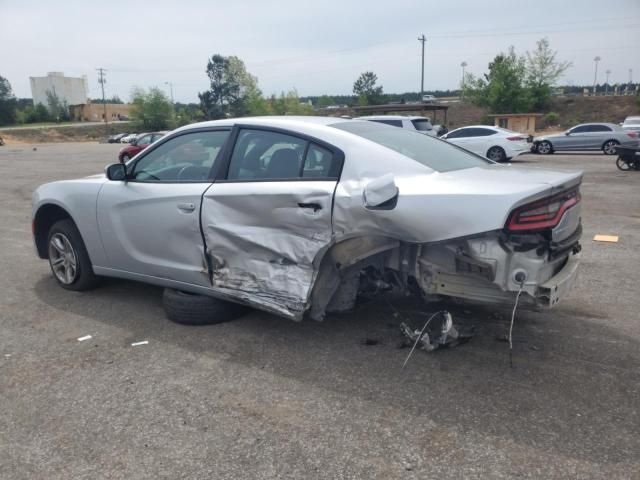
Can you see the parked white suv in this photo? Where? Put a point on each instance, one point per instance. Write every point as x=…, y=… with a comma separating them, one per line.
x=419, y=124
x=495, y=143
x=631, y=124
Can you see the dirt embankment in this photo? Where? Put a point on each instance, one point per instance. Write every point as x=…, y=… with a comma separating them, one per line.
x=63, y=133
x=570, y=110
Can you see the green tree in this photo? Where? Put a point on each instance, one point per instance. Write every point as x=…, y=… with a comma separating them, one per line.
x=232, y=90
x=503, y=89
x=542, y=72
x=151, y=110
x=325, y=101
x=289, y=104
x=8, y=103
x=58, y=109
x=367, y=91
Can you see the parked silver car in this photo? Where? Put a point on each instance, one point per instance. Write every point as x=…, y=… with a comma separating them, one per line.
x=586, y=137
x=298, y=215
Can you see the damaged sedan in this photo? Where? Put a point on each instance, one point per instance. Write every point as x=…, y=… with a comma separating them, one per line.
x=299, y=215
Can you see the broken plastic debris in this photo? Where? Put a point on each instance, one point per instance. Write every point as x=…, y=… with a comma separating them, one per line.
x=144, y=342
x=86, y=337
x=444, y=335
x=605, y=238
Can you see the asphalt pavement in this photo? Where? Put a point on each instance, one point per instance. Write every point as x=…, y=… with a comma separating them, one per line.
x=264, y=397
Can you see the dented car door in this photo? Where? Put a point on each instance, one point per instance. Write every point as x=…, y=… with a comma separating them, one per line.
x=267, y=217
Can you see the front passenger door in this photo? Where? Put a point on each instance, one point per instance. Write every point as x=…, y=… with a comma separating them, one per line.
x=150, y=223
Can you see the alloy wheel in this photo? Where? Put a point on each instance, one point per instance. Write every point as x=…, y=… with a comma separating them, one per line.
x=544, y=148
x=609, y=148
x=63, y=259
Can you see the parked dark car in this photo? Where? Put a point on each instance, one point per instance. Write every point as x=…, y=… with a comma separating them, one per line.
x=139, y=144
x=116, y=138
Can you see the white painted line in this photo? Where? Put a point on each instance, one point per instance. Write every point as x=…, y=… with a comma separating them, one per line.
x=86, y=337
x=144, y=342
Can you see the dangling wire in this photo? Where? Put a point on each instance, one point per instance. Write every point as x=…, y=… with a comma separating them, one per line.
x=513, y=316
x=420, y=335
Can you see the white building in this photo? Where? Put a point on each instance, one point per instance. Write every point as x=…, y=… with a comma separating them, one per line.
x=75, y=91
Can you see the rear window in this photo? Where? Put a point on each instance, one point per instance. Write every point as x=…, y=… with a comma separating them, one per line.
x=393, y=123
x=422, y=125
x=429, y=151
x=632, y=121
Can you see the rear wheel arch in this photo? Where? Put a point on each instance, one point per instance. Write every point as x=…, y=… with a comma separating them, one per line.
x=46, y=216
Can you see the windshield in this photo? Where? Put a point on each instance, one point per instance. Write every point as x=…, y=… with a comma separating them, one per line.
x=422, y=125
x=429, y=151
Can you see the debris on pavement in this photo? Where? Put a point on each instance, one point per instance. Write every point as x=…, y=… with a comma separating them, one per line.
x=86, y=337
x=606, y=238
x=444, y=334
x=143, y=342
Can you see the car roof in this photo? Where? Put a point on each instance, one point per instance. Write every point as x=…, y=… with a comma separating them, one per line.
x=490, y=127
x=391, y=117
x=613, y=125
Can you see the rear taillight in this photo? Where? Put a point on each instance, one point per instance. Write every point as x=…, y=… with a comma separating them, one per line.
x=516, y=139
x=542, y=214
x=633, y=134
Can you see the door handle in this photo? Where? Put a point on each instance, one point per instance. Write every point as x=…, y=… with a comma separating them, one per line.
x=315, y=206
x=186, y=207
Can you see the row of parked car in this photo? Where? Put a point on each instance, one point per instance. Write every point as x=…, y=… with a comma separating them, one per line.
x=495, y=143
x=499, y=144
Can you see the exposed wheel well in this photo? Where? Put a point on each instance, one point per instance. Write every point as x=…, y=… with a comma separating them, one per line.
x=45, y=217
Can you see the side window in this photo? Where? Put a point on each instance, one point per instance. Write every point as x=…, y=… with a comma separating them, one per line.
x=144, y=141
x=462, y=133
x=580, y=129
x=599, y=128
x=185, y=158
x=319, y=162
x=262, y=154
x=484, y=132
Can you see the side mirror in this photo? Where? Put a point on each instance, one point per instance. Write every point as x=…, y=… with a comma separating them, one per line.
x=116, y=172
x=567, y=133
x=133, y=142
x=381, y=193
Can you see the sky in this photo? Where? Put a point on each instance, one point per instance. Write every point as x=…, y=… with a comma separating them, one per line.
x=317, y=47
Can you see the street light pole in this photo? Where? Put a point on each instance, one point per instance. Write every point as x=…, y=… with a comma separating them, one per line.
x=170, y=90
x=422, y=39
x=595, y=75
x=606, y=85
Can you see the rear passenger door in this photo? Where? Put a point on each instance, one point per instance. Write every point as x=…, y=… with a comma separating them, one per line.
x=268, y=215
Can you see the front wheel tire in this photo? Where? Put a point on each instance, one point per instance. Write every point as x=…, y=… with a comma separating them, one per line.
x=544, y=148
x=68, y=257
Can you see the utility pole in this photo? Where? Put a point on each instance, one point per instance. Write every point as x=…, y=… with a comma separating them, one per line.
x=606, y=85
x=631, y=75
x=422, y=39
x=595, y=75
x=463, y=65
x=102, y=80
x=170, y=90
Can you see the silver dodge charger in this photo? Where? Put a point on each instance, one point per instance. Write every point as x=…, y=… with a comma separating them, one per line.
x=299, y=215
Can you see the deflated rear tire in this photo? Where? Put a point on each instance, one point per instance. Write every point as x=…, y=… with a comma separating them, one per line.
x=193, y=309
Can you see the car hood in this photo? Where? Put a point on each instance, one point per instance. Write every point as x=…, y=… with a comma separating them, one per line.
x=441, y=206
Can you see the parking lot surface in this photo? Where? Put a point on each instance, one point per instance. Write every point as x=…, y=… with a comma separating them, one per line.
x=264, y=397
